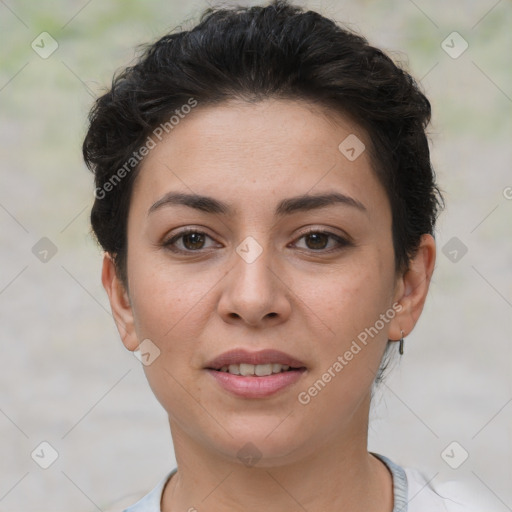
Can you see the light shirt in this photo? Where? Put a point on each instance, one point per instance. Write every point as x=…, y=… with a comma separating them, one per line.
x=412, y=492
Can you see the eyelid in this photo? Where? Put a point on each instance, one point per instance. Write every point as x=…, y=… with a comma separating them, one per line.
x=327, y=231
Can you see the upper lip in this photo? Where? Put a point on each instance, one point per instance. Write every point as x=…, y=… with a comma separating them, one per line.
x=240, y=355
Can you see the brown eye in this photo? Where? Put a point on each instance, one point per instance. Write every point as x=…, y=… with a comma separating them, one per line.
x=189, y=241
x=193, y=241
x=322, y=241
x=317, y=240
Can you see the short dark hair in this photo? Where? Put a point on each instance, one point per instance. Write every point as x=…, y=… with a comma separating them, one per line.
x=279, y=51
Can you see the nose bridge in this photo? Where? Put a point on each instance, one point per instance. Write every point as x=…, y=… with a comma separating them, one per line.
x=253, y=269
x=253, y=291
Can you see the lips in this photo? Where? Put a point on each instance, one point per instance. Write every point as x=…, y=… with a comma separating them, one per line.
x=246, y=374
x=242, y=356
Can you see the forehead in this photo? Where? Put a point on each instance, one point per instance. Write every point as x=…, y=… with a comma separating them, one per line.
x=260, y=151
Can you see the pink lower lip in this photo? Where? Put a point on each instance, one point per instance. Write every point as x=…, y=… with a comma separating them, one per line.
x=256, y=387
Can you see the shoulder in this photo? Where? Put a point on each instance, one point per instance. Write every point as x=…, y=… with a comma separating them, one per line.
x=415, y=492
x=148, y=503
x=449, y=496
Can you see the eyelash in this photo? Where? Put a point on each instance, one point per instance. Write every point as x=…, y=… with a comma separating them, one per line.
x=342, y=242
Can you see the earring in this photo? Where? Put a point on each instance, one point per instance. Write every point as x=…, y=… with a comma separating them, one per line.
x=401, y=345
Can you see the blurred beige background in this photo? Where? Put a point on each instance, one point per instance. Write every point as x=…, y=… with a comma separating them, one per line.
x=65, y=377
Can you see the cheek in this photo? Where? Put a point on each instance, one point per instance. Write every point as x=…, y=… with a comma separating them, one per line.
x=349, y=302
x=169, y=309
x=349, y=299
x=173, y=307
x=167, y=302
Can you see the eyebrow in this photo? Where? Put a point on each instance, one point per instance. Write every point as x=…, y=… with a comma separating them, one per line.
x=288, y=206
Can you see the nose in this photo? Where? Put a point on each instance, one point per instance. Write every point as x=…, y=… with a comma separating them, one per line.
x=254, y=294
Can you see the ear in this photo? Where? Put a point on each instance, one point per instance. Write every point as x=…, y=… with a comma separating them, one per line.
x=412, y=288
x=119, y=303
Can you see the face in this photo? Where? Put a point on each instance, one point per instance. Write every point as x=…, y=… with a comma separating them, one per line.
x=262, y=262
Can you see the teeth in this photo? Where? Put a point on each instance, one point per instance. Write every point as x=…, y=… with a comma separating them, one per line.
x=263, y=369
x=246, y=369
x=260, y=370
x=234, y=369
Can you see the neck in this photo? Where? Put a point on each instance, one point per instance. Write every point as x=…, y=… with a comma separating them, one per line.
x=339, y=474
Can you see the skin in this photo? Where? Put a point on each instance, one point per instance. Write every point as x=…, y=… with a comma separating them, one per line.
x=296, y=297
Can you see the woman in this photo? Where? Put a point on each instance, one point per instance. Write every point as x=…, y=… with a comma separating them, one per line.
x=266, y=203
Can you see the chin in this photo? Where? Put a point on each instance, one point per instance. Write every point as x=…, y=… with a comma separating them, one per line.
x=261, y=444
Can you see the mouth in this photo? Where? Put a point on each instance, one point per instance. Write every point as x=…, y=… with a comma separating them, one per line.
x=255, y=374
x=258, y=370
x=260, y=364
